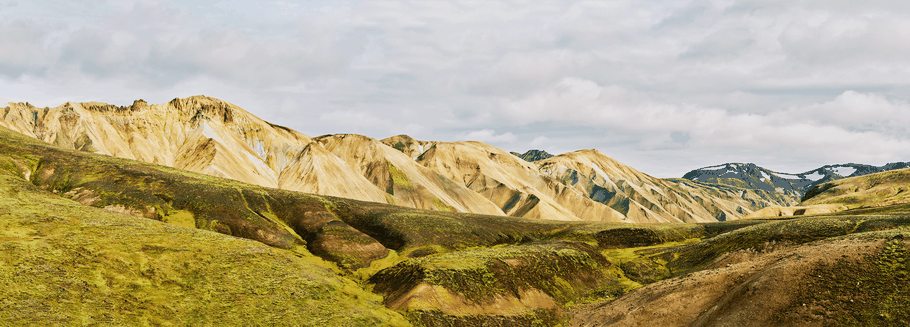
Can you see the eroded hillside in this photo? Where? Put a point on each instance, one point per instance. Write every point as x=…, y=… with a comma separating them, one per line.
x=96, y=233
x=216, y=138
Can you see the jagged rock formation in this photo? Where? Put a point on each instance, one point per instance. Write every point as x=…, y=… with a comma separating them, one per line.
x=783, y=187
x=533, y=155
x=214, y=137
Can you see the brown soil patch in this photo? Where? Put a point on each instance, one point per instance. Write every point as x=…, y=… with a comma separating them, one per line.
x=742, y=288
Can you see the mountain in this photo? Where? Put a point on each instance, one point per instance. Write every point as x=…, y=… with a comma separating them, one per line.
x=787, y=188
x=198, y=134
x=641, y=197
x=77, y=242
x=217, y=138
x=533, y=155
x=117, y=241
x=579, y=185
x=865, y=191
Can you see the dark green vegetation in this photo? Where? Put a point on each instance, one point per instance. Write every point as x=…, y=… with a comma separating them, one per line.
x=65, y=261
x=533, y=155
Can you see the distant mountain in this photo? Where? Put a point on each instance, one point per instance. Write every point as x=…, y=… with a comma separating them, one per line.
x=869, y=191
x=793, y=186
x=533, y=155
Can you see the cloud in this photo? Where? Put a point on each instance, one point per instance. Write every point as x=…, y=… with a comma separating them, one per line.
x=487, y=136
x=685, y=82
x=851, y=127
x=539, y=142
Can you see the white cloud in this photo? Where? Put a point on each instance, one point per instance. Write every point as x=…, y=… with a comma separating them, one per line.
x=487, y=136
x=853, y=127
x=785, y=82
x=539, y=142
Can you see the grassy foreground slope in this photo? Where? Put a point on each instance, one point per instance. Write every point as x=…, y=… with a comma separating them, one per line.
x=63, y=263
x=63, y=259
x=362, y=238
x=874, y=190
x=850, y=268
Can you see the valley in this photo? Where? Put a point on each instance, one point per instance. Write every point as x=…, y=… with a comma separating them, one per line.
x=193, y=210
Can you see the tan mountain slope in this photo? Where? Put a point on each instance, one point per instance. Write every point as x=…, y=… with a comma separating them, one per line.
x=199, y=134
x=217, y=138
x=643, y=198
x=316, y=170
x=513, y=184
x=407, y=182
x=411, y=147
x=577, y=185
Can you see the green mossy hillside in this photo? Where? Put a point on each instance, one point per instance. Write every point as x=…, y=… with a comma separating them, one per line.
x=63, y=263
x=873, y=190
x=694, y=256
x=553, y=273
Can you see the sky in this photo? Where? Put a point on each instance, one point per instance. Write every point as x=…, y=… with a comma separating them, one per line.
x=663, y=86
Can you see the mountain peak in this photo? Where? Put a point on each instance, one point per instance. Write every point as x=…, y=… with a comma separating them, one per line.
x=533, y=155
x=794, y=186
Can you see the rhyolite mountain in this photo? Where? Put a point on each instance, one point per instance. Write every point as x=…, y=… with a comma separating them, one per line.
x=216, y=138
x=789, y=188
x=92, y=239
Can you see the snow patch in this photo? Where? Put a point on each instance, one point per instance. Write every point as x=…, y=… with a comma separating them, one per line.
x=814, y=176
x=844, y=171
x=765, y=176
x=788, y=176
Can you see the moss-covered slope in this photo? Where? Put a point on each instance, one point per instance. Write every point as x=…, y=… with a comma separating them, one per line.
x=874, y=190
x=63, y=263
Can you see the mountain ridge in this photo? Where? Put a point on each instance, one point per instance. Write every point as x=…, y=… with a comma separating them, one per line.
x=217, y=138
x=791, y=187
x=294, y=257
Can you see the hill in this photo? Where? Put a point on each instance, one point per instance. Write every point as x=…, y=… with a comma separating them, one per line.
x=784, y=187
x=866, y=191
x=96, y=233
x=217, y=138
x=65, y=263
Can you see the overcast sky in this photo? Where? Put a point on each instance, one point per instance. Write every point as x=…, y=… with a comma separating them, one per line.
x=664, y=86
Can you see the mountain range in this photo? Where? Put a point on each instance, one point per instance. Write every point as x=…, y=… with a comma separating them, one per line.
x=791, y=187
x=205, y=224
x=217, y=138
x=114, y=241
